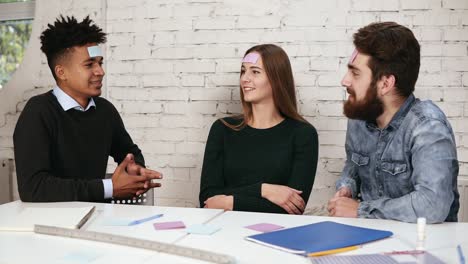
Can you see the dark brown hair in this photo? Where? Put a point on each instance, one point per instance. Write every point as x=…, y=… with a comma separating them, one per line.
x=279, y=73
x=393, y=50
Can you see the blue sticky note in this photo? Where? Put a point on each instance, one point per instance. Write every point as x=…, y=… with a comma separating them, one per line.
x=94, y=51
x=202, y=229
x=115, y=222
x=80, y=257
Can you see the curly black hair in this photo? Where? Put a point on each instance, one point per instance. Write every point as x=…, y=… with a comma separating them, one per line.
x=67, y=32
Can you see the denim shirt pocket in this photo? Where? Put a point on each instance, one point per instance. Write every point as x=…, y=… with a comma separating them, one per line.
x=359, y=159
x=394, y=168
x=397, y=179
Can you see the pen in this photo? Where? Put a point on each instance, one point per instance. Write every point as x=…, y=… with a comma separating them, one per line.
x=460, y=255
x=139, y=221
x=332, y=251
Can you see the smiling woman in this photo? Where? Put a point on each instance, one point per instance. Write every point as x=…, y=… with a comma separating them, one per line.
x=265, y=159
x=15, y=31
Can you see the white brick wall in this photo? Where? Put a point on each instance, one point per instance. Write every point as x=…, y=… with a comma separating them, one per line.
x=173, y=68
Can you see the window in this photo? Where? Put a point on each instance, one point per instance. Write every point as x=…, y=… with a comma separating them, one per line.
x=15, y=31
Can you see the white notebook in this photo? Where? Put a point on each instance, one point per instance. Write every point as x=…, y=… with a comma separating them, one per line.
x=60, y=217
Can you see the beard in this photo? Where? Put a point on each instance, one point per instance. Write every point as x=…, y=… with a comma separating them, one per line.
x=367, y=109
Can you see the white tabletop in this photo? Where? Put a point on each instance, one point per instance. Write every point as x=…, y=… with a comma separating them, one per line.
x=49, y=249
x=28, y=247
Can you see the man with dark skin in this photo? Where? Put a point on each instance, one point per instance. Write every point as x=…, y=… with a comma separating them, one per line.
x=64, y=137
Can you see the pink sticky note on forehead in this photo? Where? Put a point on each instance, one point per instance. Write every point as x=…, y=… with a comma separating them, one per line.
x=264, y=227
x=251, y=58
x=353, y=56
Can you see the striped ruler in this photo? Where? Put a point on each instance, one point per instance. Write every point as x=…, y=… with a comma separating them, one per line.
x=135, y=242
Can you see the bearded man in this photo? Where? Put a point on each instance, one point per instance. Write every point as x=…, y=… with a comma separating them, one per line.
x=401, y=156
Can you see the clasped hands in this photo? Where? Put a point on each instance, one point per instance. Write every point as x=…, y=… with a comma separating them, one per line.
x=342, y=204
x=286, y=197
x=131, y=179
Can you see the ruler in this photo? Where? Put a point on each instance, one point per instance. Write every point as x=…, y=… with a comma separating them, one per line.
x=136, y=242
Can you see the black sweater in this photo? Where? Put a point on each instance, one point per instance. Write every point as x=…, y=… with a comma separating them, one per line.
x=62, y=156
x=238, y=162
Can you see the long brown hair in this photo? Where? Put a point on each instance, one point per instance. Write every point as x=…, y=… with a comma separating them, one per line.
x=279, y=73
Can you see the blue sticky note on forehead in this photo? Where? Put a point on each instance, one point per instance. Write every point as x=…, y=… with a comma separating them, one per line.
x=94, y=51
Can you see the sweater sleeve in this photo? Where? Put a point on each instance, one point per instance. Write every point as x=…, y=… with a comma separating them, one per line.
x=212, y=180
x=212, y=177
x=122, y=143
x=305, y=161
x=33, y=152
x=244, y=202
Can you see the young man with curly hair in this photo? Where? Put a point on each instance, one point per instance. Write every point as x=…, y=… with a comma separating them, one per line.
x=64, y=137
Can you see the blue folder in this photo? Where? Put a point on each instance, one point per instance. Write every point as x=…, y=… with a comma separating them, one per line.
x=318, y=237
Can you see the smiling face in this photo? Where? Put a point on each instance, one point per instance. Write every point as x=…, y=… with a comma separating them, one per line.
x=80, y=75
x=363, y=102
x=255, y=86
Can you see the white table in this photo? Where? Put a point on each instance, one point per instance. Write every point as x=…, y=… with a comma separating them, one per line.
x=27, y=247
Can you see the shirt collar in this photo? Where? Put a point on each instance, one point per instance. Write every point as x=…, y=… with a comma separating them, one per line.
x=67, y=102
x=399, y=115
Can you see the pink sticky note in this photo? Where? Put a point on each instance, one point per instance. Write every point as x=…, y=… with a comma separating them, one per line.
x=353, y=56
x=264, y=227
x=169, y=225
x=251, y=58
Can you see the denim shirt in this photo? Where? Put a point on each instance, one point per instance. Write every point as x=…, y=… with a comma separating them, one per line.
x=408, y=169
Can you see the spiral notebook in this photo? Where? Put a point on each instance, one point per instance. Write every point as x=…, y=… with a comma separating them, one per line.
x=318, y=237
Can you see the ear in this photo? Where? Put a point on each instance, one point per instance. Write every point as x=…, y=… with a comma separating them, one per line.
x=387, y=84
x=60, y=72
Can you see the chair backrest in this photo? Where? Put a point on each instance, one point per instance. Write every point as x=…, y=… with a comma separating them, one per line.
x=143, y=199
x=6, y=172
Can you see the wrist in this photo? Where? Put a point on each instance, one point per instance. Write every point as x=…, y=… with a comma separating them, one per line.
x=230, y=202
x=264, y=190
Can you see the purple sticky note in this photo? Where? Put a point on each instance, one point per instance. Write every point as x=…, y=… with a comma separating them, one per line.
x=251, y=58
x=264, y=227
x=169, y=225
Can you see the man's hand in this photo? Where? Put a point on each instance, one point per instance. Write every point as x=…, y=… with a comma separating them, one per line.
x=288, y=198
x=220, y=202
x=136, y=169
x=343, y=207
x=130, y=179
x=344, y=192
